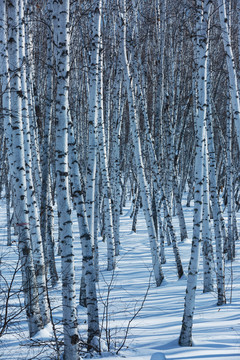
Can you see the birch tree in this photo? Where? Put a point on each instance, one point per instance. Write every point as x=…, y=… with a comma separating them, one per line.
x=89, y=277
x=31, y=200
x=216, y=209
x=203, y=9
x=30, y=77
x=233, y=89
x=6, y=110
x=106, y=189
x=92, y=115
x=207, y=248
x=18, y=171
x=229, y=185
x=71, y=338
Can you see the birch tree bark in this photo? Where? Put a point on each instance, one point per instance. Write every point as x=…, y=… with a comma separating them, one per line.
x=230, y=235
x=71, y=337
x=182, y=223
x=92, y=115
x=234, y=92
x=18, y=172
x=34, y=222
x=216, y=209
x=161, y=25
x=30, y=72
x=5, y=81
x=114, y=156
x=207, y=248
x=8, y=204
x=106, y=189
x=85, y=236
x=6, y=112
x=203, y=9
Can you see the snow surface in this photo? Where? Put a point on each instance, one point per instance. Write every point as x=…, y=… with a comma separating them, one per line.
x=153, y=334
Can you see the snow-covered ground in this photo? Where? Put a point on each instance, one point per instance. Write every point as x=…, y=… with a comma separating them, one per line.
x=153, y=334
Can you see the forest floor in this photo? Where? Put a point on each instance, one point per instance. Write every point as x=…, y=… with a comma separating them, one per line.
x=154, y=331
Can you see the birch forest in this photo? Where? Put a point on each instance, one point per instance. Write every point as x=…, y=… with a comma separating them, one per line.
x=106, y=104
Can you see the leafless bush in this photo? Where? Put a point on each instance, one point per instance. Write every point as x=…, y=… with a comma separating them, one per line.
x=11, y=305
x=115, y=337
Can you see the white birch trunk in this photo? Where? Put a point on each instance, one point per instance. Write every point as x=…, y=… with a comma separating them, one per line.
x=106, y=189
x=71, y=337
x=18, y=173
x=6, y=109
x=217, y=213
x=114, y=158
x=34, y=222
x=161, y=34
x=96, y=227
x=234, y=92
x=207, y=249
x=230, y=237
x=92, y=117
x=182, y=224
x=135, y=212
x=203, y=8
x=5, y=81
x=162, y=239
x=85, y=236
x=8, y=207
x=6, y=112
x=37, y=176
